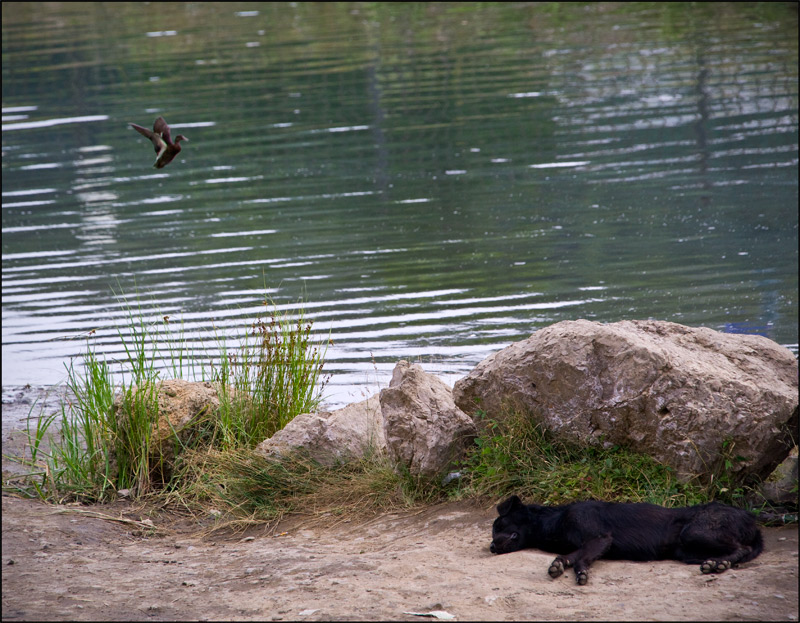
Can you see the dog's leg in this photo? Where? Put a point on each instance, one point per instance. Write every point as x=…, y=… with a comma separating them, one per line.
x=718, y=564
x=558, y=565
x=710, y=547
x=715, y=566
x=581, y=559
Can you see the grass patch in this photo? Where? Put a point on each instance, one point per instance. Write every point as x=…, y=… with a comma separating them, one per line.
x=515, y=455
x=272, y=377
x=249, y=487
x=108, y=438
x=510, y=455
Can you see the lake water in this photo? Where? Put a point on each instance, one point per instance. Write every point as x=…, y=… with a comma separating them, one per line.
x=434, y=181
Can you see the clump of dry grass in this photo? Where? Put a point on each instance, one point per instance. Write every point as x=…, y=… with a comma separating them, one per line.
x=250, y=487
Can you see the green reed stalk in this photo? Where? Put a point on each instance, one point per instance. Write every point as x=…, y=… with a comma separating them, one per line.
x=79, y=460
x=272, y=377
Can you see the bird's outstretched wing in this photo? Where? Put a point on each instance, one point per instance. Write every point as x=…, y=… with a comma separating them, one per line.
x=158, y=142
x=160, y=127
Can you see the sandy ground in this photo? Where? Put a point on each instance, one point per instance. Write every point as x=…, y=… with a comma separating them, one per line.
x=61, y=564
x=76, y=563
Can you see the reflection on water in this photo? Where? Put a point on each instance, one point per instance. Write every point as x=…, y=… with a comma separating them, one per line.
x=435, y=181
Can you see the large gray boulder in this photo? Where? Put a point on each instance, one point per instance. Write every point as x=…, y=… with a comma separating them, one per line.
x=424, y=429
x=689, y=397
x=351, y=432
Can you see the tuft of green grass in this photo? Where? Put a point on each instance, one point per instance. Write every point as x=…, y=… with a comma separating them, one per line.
x=513, y=454
x=273, y=376
x=80, y=456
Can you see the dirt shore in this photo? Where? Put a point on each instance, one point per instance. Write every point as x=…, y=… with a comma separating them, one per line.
x=106, y=562
x=63, y=563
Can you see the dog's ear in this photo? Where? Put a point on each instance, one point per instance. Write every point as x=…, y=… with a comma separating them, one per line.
x=511, y=504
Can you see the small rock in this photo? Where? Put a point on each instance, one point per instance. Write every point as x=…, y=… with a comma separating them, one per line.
x=451, y=477
x=329, y=437
x=436, y=614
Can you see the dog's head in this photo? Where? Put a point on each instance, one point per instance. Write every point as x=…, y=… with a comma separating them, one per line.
x=509, y=528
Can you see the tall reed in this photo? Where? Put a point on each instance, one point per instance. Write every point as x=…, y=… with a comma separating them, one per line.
x=106, y=439
x=273, y=376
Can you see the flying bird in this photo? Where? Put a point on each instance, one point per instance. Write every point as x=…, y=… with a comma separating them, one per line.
x=166, y=150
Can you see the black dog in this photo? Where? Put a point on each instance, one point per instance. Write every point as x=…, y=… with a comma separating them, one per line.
x=714, y=535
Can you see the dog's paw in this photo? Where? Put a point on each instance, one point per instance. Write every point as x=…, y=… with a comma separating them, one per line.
x=556, y=568
x=715, y=566
x=582, y=577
